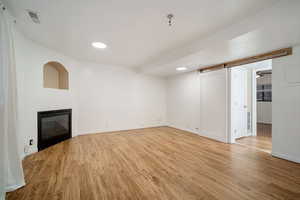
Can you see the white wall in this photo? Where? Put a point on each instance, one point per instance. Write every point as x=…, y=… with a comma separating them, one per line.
x=183, y=101
x=116, y=99
x=32, y=97
x=103, y=98
x=198, y=103
x=286, y=106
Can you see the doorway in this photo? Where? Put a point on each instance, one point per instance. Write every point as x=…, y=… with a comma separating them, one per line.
x=251, y=105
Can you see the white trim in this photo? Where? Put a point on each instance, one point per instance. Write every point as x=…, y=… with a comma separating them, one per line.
x=9, y=189
x=254, y=104
x=228, y=106
x=117, y=130
x=200, y=134
x=286, y=157
x=14, y=187
x=230, y=136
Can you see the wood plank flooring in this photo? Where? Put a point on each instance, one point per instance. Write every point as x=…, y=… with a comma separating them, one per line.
x=155, y=163
x=262, y=141
x=264, y=130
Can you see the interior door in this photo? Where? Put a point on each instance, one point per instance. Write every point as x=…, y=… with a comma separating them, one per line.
x=238, y=103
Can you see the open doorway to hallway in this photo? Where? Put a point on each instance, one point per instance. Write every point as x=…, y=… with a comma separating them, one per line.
x=251, y=105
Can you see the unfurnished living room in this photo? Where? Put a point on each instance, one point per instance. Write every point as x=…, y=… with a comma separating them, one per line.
x=156, y=99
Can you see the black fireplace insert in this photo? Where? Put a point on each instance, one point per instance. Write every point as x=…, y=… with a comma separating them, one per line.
x=53, y=127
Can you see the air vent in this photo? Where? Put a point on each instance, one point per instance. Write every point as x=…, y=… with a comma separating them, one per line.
x=34, y=16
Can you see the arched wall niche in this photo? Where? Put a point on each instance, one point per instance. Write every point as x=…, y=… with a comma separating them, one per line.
x=55, y=76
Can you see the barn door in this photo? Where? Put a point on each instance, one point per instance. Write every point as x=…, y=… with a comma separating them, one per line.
x=214, y=104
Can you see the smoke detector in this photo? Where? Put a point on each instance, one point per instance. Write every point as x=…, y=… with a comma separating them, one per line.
x=34, y=16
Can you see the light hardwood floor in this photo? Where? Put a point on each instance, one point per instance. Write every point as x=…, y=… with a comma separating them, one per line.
x=155, y=163
x=262, y=140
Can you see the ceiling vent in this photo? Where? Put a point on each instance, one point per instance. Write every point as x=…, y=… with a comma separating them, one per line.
x=34, y=16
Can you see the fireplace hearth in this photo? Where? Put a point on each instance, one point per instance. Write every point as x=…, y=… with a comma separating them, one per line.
x=53, y=127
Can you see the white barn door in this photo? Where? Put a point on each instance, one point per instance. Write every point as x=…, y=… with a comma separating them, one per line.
x=214, y=105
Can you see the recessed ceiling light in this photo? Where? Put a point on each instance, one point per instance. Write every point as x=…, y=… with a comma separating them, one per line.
x=99, y=45
x=181, y=68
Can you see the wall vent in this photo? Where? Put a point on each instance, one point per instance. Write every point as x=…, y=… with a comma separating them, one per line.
x=34, y=16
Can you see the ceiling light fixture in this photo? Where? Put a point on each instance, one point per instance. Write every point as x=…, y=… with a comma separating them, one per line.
x=181, y=68
x=99, y=45
x=170, y=17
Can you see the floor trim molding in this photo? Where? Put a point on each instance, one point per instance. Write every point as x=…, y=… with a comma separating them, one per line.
x=215, y=138
x=14, y=187
x=118, y=130
x=285, y=157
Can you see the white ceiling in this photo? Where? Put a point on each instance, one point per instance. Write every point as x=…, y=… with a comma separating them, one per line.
x=136, y=31
x=274, y=28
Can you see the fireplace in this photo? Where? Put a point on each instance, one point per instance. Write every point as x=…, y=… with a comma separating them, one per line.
x=53, y=127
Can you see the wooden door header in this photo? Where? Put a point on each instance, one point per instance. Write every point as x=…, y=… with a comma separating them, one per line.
x=252, y=59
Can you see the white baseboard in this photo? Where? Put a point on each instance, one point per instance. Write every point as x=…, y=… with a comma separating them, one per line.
x=198, y=133
x=14, y=187
x=9, y=189
x=116, y=130
x=286, y=157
